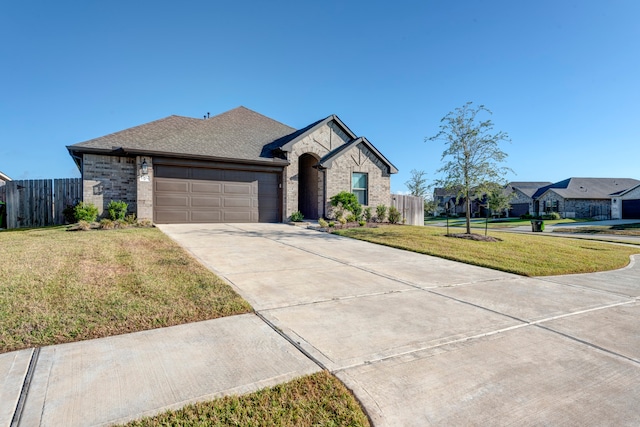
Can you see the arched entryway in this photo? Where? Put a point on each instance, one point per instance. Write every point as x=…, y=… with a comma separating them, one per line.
x=308, y=186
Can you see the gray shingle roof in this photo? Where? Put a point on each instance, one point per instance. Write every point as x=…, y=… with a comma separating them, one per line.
x=589, y=188
x=236, y=134
x=527, y=187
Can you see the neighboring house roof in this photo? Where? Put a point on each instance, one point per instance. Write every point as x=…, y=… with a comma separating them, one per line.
x=628, y=190
x=327, y=160
x=528, y=188
x=238, y=134
x=588, y=188
x=4, y=177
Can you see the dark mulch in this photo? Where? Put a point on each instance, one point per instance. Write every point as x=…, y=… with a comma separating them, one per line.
x=478, y=237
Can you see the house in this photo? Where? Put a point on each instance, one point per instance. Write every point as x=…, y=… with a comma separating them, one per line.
x=449, y=201
x=626, y=204
x=522, y=196
x=239, y=166
x=588, y=197
x=4, y=178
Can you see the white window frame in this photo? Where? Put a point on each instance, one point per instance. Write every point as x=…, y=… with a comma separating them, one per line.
x=363, y=190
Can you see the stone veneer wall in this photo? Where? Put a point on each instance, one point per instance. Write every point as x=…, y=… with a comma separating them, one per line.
x=519, y=197
x=144, y=189
x=360, y=159
x=318, y=143
x=588, y=208
x=616, y=202
x=107, y=178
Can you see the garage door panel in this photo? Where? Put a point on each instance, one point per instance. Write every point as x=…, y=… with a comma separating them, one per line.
x=210, y=202
x=172, y=186
x=237, y=188
x=237, y=216
x=210, y=195
x=172, y=201
x=206, y=187
x=172, y=217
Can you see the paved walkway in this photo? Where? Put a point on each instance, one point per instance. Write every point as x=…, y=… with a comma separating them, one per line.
x=420, y=340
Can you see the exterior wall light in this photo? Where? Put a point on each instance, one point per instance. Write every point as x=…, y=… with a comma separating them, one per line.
x=144, y=167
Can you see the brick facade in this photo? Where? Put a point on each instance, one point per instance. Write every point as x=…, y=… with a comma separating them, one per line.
x=337, y=178
x=107, y=178
x=574, y=208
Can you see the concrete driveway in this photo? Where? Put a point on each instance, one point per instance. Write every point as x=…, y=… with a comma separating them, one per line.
x=425, y=341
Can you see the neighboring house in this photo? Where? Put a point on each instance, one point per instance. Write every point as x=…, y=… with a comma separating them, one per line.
x=239, y=166
x=447, y=201
x=4, y=178
x=522, y=196
x=626, y=204
x=587, y=197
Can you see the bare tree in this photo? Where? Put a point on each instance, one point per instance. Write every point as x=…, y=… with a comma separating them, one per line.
x=417, y=184
x=473, y=155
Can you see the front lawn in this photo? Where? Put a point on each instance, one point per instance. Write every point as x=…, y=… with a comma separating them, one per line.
x=528, y=255
x=315, y=400
x=58, y=286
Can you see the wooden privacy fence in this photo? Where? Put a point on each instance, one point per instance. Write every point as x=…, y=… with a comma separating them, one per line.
x=411, y=208
x=40, y=202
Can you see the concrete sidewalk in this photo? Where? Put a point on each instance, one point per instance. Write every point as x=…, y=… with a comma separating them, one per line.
x=124, y=377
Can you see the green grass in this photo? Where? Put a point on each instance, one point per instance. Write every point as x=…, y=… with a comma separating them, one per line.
x=619, y=230
x=315, y=400
x=527, y=255
x=58, y=286
x=499, y=222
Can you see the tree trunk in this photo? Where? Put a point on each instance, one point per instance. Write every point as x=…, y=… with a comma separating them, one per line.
x=468, y=215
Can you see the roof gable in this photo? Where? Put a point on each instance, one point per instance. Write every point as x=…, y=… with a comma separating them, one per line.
x=528, y=188
x=286, y=143
x=327, y=160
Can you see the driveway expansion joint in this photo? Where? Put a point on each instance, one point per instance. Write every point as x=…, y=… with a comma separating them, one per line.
x=33, y=360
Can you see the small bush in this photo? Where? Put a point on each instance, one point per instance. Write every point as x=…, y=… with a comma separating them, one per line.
x=297, y=216
x=332, y=224
x=323, y=223
x=349, y=201
x=351, y=218
x=84, y=225
x=69, y=214
x=551, y=216
x=342, y=220
x=117, y=209
x=394, y=215
x=381, y=213
x=106, y=224
x=145, y=223
x=130, y=219
x=526, y=216
x=362, y=223
x=85, y=212
x=368, y=216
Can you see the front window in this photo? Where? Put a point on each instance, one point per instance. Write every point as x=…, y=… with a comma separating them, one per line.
x=359, y=187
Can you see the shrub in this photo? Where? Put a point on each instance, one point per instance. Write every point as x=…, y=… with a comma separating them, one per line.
x=117, y=209
x=84, y=225
x=145, y=223
x=526, y=216
x=349, y=201
x=351, y=218
x=297, y=216
x=342, y=220
x=552, y=215
x=323, y=223
x=362, y=222
x=381, y=213
x=332, y=224
x=85, y=212
x=367, y=214
x=130, y=219
x=106, y=224
x=394, y=215
x=69, y=214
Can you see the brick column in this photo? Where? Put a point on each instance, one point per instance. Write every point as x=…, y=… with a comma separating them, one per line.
x=144, y=187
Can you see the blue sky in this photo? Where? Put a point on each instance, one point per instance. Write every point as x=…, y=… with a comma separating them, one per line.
x=561, y=77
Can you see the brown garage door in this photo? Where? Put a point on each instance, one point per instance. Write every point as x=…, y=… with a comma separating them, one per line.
x=200, y=195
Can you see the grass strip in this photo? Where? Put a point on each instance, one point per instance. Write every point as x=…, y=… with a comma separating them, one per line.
x=527, y=255
x=314, y=400
x=58, y=286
